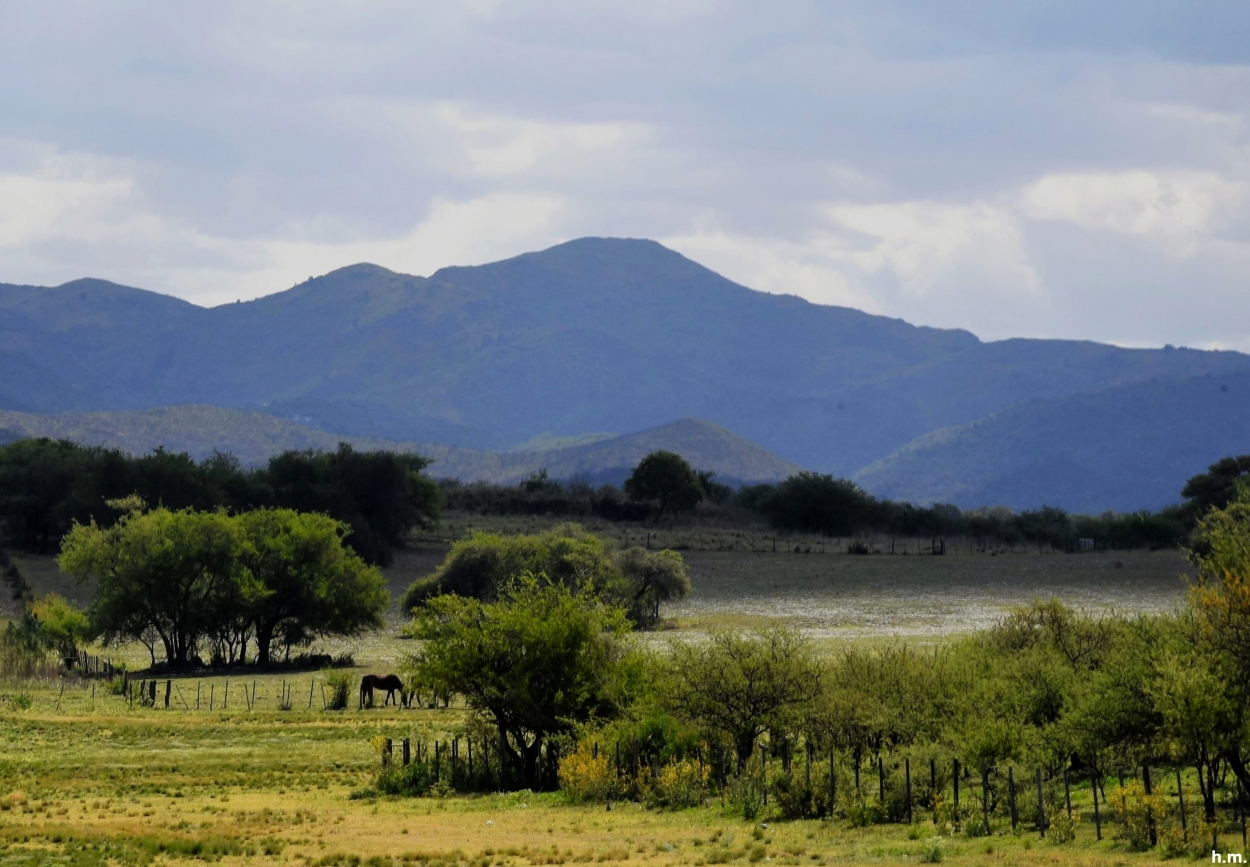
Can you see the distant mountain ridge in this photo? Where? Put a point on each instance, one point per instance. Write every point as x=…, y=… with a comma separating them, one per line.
x=1090, y=452
x=254, y=437
x=597, y=334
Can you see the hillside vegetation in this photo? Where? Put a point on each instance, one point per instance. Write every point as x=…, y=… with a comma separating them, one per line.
x=1121, y=449
x=254, y=437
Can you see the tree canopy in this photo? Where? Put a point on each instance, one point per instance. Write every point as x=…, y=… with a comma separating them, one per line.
x=635, y=579
x=667, y=480
x=179, y=580
x=536, y=661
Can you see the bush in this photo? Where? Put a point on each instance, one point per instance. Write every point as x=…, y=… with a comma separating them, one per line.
x=679, y=784
x=338, y=687
x=933, y=852
x=746, y=795
x=1134, y=812
x=795, y=800
x=585, y=777
x=1062, y=829
x=415, y=780
x=21, y=701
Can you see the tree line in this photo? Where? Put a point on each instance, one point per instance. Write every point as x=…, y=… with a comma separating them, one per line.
x=547, y=661
x=46, y=486
x=665, y=484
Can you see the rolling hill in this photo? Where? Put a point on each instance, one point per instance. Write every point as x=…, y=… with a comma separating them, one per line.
x=593, y=335
x=1122, y=449
x=253, y=437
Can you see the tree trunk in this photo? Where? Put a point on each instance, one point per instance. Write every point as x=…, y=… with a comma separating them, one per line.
x=264, y=639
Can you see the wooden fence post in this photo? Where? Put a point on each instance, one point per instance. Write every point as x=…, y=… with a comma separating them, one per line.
x=955, y=778
x=406, y=748
x=907, y=772
x=833, y=781
x=764, y=754
x=1097, y=816
x=1067, y=793
x=1180, y=796
x=1150, y=816
x=807, y=765
x=985, y=797
x=1011, y=797
x=880, y=780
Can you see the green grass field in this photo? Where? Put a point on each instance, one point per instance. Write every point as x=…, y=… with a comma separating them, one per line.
x=90, y=780
x=97, y=782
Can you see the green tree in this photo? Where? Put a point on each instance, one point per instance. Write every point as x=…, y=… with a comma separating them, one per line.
x=481, y=565
x=743, y=685
x=634, y=579
x=666, y=479
x=299, y=581
x=380, y=495
x=159, y=575
x=814, y=503
x=536, y=662
x=63, y=626
x=648, y=578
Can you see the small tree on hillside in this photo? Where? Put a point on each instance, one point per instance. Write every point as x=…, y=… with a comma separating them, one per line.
x=666, y=479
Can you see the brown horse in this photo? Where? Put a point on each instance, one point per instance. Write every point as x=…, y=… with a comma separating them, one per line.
x=390, y=682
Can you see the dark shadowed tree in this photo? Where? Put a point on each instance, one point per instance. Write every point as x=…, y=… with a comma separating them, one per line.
x=1215, y=488
x=380, y=495
x=667, y=480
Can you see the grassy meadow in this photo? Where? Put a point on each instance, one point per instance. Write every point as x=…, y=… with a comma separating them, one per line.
x=85, y=778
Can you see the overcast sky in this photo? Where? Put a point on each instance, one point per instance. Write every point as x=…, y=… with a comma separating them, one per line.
x=1053, y=169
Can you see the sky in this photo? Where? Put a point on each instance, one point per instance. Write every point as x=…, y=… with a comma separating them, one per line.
x=1047, y=169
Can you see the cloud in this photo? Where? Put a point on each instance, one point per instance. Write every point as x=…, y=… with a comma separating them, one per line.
x=1177, y=206
x=925, y=244
x=1019, y=171
x=508, y=146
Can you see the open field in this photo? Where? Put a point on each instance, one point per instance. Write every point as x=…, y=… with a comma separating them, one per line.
x=103, y=783
x=88, y=779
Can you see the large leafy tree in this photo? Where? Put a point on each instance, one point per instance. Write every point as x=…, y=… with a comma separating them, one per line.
x=299, y=581
x=635, y=579
x=160, y=575
x=667, y=480
x=484, y=563
x=535, y=662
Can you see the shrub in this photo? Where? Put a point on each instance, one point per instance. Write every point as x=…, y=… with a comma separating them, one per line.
x=1062, y=829
x=338, y=687
x=746, y=794
x=1134, y=812
x=795, y=799
x=679, y=784
x=413, y=780
x=933, y=852
x=585, y=777
x=21, y=701
x=1193, y=840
